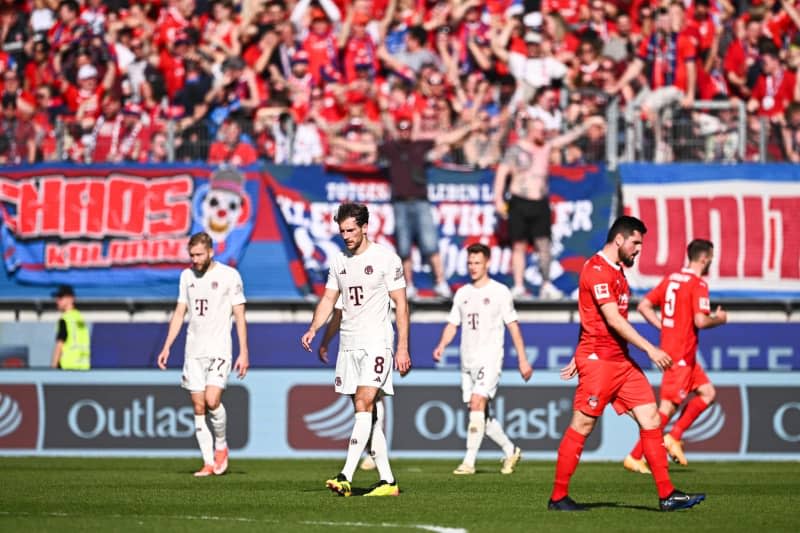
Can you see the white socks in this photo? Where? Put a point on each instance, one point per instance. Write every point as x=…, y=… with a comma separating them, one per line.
x=358, y=441
x=379, y=450
x=475, y=431
x=204, y=439
x=219, y=421
x=495, y=432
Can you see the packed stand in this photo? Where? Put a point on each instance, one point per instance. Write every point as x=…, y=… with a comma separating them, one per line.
x=328, y=81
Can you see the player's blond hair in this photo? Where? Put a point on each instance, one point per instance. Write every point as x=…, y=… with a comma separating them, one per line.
x=203, y=238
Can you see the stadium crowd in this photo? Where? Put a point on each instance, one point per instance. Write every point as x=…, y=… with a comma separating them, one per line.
x=298, y=81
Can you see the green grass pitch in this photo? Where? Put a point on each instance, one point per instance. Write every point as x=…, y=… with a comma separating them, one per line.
x=110, y=494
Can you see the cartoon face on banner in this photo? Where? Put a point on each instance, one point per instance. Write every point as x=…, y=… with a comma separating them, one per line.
x=222, y=205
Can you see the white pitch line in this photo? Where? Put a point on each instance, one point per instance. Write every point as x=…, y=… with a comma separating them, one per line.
x=424, y=527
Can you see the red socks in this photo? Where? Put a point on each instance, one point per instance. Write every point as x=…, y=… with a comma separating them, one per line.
x=637, y=451
x=653, y=446
x=690, y=413
x=569, y=454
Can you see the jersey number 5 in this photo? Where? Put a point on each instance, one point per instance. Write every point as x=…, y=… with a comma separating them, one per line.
x=669, y=298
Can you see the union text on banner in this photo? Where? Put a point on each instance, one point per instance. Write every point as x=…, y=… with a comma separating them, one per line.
x=748, y=211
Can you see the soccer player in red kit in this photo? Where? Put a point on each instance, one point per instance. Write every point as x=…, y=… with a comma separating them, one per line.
x=607, y=374
x=683, y=299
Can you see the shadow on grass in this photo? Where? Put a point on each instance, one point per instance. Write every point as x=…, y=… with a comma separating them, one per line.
x=617, y=505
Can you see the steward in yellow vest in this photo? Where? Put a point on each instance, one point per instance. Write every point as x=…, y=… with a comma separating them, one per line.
x=71, y=351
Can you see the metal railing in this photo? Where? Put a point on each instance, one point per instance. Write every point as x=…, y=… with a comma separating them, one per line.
x=629, y=137
x=671, y=128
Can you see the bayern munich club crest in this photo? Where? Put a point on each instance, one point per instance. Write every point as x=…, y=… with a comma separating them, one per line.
x=486, y=301
x=368, y=270
x=214, y=285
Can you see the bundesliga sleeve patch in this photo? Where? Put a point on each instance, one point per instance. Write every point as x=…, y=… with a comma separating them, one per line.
x=601, y=291
x=705, y=305
x=398, y=273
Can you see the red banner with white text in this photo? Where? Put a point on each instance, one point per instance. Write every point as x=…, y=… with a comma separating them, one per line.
x=750, y=212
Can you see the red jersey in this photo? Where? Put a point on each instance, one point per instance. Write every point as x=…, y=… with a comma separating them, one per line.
x=601, y=282
x=322, y=50
x=774, y=92
x=570, y=10
x=242, y=154
x=680, y=296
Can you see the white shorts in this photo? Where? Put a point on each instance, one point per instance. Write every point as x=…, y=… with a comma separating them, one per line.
x=364, y=368
x=482, y=381
x=200, y=372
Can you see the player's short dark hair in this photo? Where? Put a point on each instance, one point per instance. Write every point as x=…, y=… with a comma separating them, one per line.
x=625, y=225
x=356, y=211
x=698, y=248
x=479, y=248
x=203, y=238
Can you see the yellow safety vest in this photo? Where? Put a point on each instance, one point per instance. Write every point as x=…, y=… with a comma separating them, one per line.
x=75, y=352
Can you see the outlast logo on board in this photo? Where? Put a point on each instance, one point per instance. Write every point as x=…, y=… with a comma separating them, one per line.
x=132, y=417
x=435, y=418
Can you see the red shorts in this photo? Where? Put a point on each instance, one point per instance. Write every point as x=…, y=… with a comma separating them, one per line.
x=679, y=381
x=623, y=384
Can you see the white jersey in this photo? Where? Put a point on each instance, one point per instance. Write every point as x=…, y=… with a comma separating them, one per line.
x=209, y=300
x=364, y=281
x=482, y=314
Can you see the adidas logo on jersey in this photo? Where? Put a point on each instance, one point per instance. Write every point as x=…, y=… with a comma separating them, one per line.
x=343, y=272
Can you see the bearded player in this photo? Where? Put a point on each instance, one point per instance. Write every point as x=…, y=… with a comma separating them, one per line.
x=606, y=372
x=211, y=293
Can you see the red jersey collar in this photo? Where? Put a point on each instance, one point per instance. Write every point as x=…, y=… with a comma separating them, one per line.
x=607, y=260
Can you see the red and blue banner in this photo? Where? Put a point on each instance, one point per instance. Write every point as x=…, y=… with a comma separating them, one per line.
x=463, y=210
x=120, y=231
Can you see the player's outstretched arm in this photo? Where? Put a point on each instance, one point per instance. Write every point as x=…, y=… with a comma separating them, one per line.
x=175, y=324
x=330, y=330
x=321, y=314
x=402, y=359
x=525, y=368
x=243, y=361
x=624, y=328
x=448, y=334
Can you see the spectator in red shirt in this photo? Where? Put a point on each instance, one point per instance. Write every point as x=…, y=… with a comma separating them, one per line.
x=17, y=134
x=598, y=21
x=11, y=86
x=220, y=37
x=702, y=24
x=742, y=60
x=320, y=41
x=357, y=44
x=39, y=70
x=573, y=11
x=84, y=99
x=69, y=26
x=774, y=89
x=173, y=19
x=231, y=148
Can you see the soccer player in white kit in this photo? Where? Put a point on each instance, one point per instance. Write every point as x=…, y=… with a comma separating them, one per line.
x=368, y=276
x=481, y=308
x=211, y=292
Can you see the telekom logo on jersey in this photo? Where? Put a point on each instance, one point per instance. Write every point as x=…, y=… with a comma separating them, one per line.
x=355, y=294
x=201, y=306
